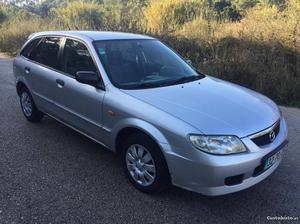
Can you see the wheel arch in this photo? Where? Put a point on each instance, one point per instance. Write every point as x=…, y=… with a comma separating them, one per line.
x=132, y=126
x=150, y=131
x=19, y=86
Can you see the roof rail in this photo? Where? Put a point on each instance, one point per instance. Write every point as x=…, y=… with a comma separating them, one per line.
x=31, y=35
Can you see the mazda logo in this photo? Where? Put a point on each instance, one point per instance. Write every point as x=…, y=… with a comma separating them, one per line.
x=272, y=136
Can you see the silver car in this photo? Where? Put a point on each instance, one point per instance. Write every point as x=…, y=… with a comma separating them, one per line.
x=169, y=123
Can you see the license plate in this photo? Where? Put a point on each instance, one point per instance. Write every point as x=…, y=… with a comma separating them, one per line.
x=272, y=160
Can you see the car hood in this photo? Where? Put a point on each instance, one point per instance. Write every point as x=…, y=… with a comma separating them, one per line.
x=213, y=106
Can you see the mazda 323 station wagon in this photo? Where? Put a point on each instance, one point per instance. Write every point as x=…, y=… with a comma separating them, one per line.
x=169, y=123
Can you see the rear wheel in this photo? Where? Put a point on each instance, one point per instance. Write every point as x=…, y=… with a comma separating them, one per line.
x=28, y=107
x=144, y=164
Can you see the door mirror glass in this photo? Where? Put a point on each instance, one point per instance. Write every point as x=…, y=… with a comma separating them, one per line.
x=87, y=77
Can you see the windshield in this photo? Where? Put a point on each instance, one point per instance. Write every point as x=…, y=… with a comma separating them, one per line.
x=135, y=64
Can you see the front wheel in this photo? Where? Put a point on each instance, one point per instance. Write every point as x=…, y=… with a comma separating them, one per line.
x=144, y=164
x=28, y=107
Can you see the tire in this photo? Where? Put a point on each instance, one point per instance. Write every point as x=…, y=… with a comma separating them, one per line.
x=135, y=169
x=28, y=107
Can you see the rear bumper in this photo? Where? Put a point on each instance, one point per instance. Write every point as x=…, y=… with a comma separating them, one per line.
x=207, y=174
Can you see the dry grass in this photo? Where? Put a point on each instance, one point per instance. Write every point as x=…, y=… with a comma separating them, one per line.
x=262, y=51
x=14, y=34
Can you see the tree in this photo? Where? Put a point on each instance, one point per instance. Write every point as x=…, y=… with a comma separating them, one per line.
x=226, y=10
x=44, y=7
x=243, y=5
x=2, y=16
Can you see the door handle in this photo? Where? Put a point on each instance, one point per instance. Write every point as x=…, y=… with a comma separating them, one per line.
x=60, y=83
x=27, y=70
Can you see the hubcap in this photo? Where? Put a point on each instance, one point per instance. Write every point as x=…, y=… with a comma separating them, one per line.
x=26, y=104
x=140, y=165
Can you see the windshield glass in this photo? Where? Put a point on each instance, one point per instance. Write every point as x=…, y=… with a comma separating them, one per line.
x=135, y=64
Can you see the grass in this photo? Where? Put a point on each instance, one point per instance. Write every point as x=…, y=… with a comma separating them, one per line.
x=261, y=52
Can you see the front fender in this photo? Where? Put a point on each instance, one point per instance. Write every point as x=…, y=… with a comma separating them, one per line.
x=142, y=125
x=21, y=79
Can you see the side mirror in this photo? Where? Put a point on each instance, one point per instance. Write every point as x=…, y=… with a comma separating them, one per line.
x=87, y=77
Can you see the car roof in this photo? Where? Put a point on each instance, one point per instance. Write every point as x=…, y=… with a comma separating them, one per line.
x=93, y=35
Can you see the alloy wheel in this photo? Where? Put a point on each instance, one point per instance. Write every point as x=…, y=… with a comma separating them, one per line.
x=26, y=104
x=140, y=165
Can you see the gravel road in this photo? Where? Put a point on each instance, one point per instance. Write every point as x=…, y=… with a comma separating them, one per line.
x=51, y=174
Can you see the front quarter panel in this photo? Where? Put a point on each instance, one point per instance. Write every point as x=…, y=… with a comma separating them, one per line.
x=121, y=111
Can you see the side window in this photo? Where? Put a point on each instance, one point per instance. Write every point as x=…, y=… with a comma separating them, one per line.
x=76, y=57
x=30, y=47
x=46, y=52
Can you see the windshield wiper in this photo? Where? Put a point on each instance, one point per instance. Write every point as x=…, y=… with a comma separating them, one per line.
x=185, y=79
x=143, y=85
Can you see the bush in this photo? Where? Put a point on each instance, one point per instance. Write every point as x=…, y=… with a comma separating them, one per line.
x=88, y=15
x=260, y=55
x=162, y=17
x=79, y=15
x=245, y=41
x=14, y=34
x=2, y=15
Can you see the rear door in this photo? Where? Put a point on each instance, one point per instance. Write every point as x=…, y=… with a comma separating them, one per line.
x=77, y=104
x=41, y=71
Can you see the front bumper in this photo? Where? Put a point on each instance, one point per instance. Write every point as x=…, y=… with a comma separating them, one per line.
x=208, y=174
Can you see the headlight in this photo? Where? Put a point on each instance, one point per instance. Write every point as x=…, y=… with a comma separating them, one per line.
x=218, y=144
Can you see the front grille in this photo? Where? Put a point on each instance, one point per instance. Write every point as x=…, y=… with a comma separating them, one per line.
x=265, y=138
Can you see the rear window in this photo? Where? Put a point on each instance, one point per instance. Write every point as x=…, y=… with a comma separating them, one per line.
x=46, y=52
x=29, y=47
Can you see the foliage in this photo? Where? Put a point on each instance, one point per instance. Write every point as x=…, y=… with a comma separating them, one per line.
x=226, y=10
x=79, y=15
x=131, y=14
x=2, y=15
x=255, y=43
x=242, y=5
x=166, y=16
x=14, y=34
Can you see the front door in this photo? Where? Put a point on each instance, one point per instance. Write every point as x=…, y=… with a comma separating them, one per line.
x=77, y=104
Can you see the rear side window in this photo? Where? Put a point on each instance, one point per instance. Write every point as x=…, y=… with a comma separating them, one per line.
x=46, y=52
x=76, y=57
x=30, y=47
